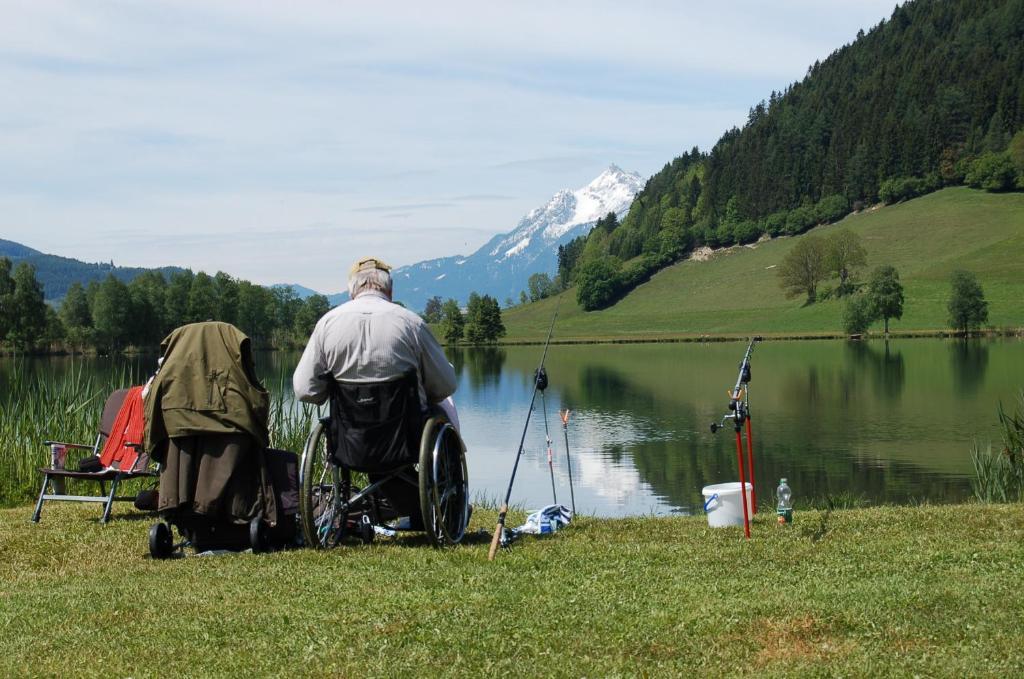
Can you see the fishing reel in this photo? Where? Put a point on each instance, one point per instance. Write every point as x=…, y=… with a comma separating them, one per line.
x=738, y=417
x=540, y=377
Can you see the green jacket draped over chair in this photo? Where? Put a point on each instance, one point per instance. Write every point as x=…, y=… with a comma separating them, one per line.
x=206, y=424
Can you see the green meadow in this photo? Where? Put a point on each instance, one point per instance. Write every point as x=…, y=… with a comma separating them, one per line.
x=737, y=292
x=925, y=590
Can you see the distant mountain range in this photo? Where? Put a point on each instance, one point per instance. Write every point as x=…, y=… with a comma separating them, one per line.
x=58, y=273
x=502, y=267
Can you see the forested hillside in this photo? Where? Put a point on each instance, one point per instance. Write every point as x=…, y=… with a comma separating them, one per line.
x=56, y=274
x=931, y=97
x=736, y=291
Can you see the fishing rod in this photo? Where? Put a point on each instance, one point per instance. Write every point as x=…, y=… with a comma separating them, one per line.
x=547, y=437
x=739, y=413
x=568, y=457
x=540, y=383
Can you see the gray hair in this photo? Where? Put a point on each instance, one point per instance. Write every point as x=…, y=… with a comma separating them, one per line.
x=372, y=279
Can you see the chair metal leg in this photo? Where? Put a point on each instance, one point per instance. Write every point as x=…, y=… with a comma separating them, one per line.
x=39, y=503
x=110, y=500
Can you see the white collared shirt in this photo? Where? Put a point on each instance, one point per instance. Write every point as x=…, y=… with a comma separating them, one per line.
x=370, y=339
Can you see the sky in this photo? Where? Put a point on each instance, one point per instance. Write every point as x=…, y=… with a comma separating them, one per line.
x=279, y=141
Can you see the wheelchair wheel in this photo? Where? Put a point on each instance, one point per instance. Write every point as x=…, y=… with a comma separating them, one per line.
x=444, y=485
x=320, y=502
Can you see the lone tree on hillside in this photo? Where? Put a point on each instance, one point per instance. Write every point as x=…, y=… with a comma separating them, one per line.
x=885, y=294
x=967, y=306
x=846, y=254
x=804, y=267
x=452, y=322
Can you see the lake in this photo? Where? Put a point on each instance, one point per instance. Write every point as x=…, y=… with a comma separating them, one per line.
x=882, y=422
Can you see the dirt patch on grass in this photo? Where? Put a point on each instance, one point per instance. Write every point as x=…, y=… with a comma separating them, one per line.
x=797, y=639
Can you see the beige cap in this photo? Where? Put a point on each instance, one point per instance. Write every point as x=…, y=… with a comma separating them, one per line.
x=368, y=264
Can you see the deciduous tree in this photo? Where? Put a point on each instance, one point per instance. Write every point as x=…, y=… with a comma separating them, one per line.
x=540, y=286
x=846, y=254
x=967, y=306
x=885, y=293
x=432, y=310
x=27, y=309
x=804, y=267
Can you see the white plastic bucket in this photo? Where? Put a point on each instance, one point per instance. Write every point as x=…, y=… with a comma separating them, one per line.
x=723, y=504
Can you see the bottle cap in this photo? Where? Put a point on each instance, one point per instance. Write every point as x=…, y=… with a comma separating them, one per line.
x=782, y=481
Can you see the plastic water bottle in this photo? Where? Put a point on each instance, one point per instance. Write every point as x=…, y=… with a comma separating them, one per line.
x=785, y=506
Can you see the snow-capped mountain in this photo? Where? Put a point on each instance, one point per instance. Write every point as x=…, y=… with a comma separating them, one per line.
x=502, y=267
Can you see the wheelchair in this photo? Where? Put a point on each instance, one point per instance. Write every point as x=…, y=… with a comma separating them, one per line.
x=377, y=458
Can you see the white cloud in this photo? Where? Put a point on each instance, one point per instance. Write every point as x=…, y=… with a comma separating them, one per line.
x=283, y=121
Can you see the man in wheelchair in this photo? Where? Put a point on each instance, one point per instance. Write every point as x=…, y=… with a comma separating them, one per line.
x=389, y=385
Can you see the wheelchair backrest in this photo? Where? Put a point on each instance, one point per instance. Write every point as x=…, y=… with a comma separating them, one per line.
x=376, y=426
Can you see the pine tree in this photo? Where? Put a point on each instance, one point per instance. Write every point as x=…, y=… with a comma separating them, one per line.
x=27, y=310
x=74, y=313
x=6, y=297
x=112, y=314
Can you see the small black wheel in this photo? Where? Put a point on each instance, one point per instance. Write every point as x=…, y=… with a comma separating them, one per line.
x=161, y=541
x=366, y=533
x=257, y=536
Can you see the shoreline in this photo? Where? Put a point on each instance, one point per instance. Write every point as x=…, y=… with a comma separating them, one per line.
x=671, y=338
x=682, y=338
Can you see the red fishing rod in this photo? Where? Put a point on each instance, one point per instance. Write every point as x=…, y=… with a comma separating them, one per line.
x=739, y=413
x=568, y=458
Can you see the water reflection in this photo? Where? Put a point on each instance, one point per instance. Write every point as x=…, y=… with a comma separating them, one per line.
x=888, y=422
x=482, y=366
x=968, y=360
x=884, y=368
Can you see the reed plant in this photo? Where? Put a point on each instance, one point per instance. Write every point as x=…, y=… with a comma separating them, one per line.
x=36, y=406
x=999, y=472
x=290, y=419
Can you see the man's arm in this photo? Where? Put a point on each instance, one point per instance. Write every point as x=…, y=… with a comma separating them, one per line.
x=307, y=382
x=438, y=374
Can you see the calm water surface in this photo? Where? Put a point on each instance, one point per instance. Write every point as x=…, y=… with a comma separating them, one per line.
x=887, y=422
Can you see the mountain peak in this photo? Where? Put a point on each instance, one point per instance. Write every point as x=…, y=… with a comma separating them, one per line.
x=503, y=265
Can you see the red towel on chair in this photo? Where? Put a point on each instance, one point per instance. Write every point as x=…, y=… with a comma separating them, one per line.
x=127, y=429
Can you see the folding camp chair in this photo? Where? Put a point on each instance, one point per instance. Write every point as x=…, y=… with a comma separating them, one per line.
x=118, y=445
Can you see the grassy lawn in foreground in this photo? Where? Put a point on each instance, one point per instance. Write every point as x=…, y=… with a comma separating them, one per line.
x=737, y=291
x=929, y=590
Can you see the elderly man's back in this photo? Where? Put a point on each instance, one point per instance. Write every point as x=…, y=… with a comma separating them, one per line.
x=371, y=339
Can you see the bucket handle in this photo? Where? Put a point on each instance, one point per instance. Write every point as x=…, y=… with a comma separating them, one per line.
x=709, y=501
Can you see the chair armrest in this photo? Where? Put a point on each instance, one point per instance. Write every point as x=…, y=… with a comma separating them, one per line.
x=69, y=445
